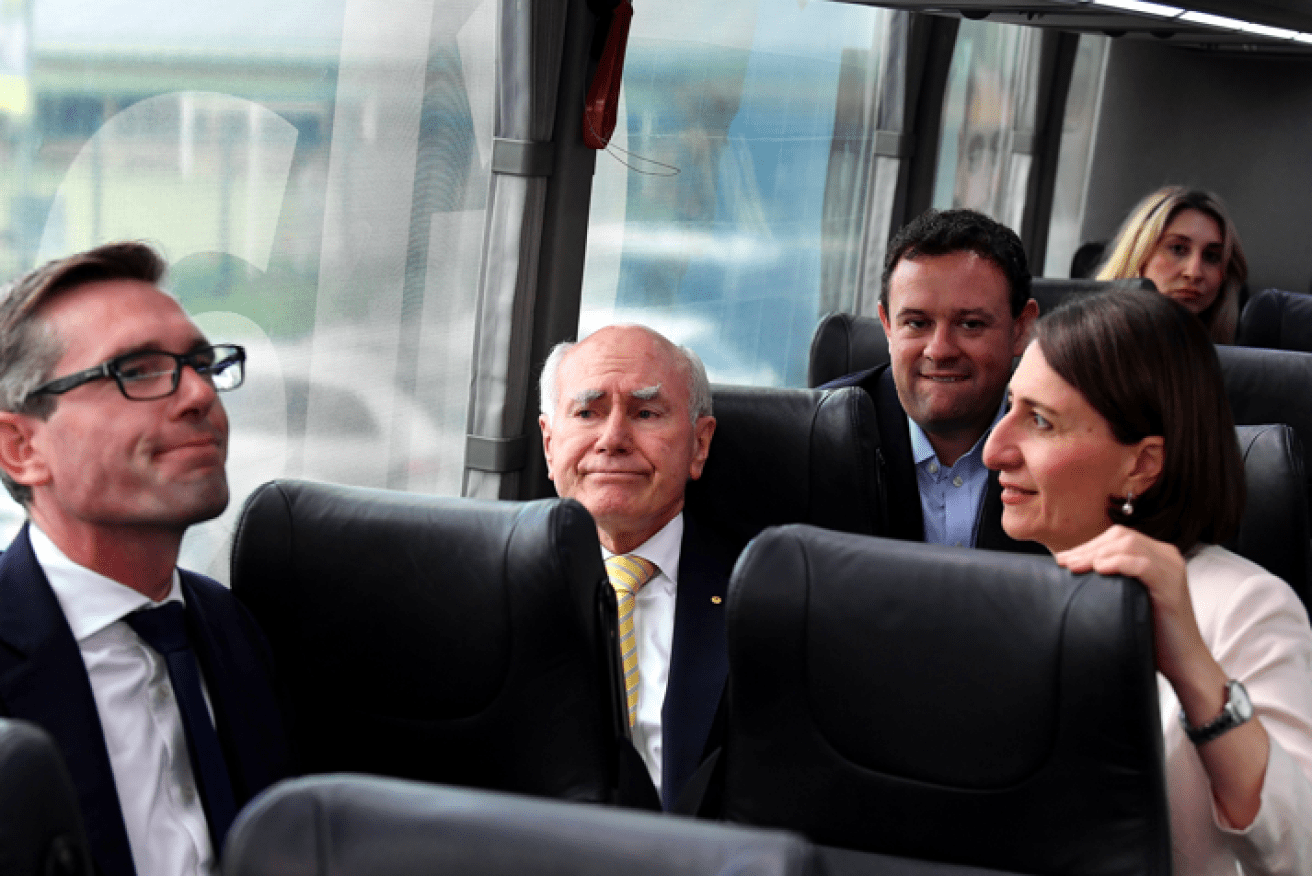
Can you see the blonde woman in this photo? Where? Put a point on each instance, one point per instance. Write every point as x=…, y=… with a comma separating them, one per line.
x=1184, y=242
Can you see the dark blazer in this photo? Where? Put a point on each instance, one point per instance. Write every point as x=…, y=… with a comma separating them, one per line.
x=699, y=657
x=897, y=471
x=43, y=680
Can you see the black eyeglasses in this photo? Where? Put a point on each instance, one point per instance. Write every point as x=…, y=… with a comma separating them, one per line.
x=150, y=375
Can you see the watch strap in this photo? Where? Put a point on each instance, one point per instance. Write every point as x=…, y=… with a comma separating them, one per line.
x=1232, y=715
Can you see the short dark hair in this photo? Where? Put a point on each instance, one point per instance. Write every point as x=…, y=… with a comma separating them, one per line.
x=29, y=351
x=943, y=232
x=1146, y=365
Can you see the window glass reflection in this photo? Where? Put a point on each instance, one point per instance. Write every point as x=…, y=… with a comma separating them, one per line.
x=727, y=255
x=989, y=100
x=314, y=170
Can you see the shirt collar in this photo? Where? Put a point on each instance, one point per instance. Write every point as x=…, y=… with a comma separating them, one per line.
x=661, y=549
x=922, y=450
x=89, y=600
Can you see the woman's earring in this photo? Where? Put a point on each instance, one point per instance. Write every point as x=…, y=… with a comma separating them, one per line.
x=1128, y=508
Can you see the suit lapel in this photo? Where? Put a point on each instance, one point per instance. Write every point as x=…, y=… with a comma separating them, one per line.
x=902, y=507
x=43, y=680
x=699, y=659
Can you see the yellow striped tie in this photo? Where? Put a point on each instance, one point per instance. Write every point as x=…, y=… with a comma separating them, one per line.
x=627, y=574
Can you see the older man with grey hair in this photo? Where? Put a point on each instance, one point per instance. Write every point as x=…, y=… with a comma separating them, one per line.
x=626, y=423
x=155, y=683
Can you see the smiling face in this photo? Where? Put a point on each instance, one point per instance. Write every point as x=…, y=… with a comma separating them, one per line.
x=951, y=340
x=1060, y=464
x=620, y=440
x=101, y=461
x=1188, y=262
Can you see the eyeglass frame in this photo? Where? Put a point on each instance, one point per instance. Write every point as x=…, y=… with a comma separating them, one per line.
x=110, y=370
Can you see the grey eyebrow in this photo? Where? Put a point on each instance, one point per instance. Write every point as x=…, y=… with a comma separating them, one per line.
x=586, y=396
x=647, y=393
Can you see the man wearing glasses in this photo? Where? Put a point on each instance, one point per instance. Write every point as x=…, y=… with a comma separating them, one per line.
x=154, y=682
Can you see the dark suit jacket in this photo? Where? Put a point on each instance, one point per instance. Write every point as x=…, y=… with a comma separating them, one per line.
x=43, y=680
x=897, y=471
x=699, y=657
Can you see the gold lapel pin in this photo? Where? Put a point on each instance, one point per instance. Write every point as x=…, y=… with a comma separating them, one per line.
x=717, y=600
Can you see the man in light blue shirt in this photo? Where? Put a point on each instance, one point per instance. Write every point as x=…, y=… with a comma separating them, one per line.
x=956, y=308
x=950, y=495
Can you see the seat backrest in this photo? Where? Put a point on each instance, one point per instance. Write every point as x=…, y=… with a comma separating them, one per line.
x=844, y=343
x=1274, y=529
x=368, y=826
x=788, y=456
x=41, y=832
x=434, y=638
x=1052, y=292
x=980, y=708
x=1270, y=386
x=1277, y=320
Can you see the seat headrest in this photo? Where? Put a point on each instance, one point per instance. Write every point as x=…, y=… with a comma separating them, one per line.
x=1052, y=292
x=788, y=456
x=41, y=828
x=1277, y=320
x=368, y=826
x=1274, y=529
x=844, y=343
x=451, y=623
x=1270, y=386
x=992, y=698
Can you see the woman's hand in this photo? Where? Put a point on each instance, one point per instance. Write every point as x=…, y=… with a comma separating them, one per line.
x=1236, y=760
x=1180, y=650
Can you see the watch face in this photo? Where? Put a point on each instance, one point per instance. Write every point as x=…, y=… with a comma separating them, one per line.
x=1239, y=701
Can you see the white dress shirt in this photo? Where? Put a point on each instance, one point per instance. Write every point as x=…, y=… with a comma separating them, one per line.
x=139, y=716
x=653, y=625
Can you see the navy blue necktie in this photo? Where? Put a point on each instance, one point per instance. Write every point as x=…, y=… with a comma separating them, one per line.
x=165, y=629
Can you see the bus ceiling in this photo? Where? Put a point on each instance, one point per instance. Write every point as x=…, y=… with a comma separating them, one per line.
x=1268, y=27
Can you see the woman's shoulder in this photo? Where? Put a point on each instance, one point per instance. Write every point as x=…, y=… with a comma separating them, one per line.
x=1214, y=560
x=1228, y=589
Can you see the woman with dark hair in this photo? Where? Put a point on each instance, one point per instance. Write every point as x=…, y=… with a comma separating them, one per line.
x=1119, y=455
x=1184, y=242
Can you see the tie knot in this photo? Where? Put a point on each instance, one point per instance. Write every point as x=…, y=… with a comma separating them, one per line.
x=163, y=628
x=629, y=572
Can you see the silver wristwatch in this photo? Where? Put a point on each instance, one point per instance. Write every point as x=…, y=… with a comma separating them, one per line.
x=1238, y=708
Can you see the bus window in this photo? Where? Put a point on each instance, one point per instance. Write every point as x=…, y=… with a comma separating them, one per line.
x=1076, y=154
x=316, y=172
x=987, y=136
x=728, y=254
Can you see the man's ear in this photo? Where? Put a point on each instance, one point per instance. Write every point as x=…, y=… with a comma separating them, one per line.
x=701, y=445
x=883, y=320
x=1149, y=457
x=1022, y=328
x=19, y=456
x=545, y=425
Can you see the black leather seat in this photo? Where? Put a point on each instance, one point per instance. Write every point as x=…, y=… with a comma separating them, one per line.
x=1277, y=320
x=41, y=832
x=981, y=708
x=1271, y=386
x=367, y=826
x=1051, y=292
x=438, y=639
x=1274, y=530
x=844, y=343
x=788, y=456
